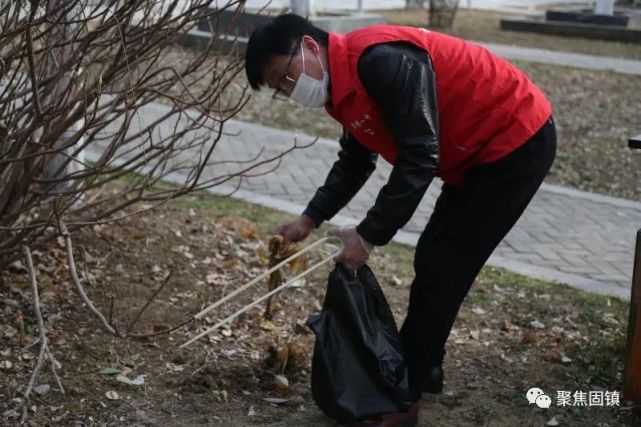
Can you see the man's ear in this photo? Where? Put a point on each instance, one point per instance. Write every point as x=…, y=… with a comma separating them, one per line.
x=311, y=44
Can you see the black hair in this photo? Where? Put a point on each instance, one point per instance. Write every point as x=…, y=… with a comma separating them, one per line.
x=277, y=38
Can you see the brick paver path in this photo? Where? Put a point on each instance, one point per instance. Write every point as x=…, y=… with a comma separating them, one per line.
x=579, y=238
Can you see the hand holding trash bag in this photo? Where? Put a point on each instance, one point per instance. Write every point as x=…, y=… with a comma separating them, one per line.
x=355, y=250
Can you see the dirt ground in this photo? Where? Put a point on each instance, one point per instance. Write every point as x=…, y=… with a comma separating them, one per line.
x=512, y=333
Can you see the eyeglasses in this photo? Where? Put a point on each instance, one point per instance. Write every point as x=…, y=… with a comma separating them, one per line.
x=279, y=93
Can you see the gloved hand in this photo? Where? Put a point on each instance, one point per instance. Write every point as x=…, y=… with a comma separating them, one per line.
x=296, y=230
x=355, y=250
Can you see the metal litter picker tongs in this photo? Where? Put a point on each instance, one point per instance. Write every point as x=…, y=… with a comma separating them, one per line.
x=267, y=295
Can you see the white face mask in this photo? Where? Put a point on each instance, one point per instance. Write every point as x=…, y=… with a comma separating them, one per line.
x=309, y=91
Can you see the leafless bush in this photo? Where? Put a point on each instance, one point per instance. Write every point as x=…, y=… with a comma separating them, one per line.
x=100, y=92
x=80, y=86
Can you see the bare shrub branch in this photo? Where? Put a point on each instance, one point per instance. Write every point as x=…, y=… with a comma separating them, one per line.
x=95, y=93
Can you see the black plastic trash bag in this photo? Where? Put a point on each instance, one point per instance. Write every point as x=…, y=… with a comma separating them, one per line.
x=357, y=366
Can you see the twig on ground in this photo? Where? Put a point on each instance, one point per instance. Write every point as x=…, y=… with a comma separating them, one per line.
x=107, y=325
x=44, y=348
x=76, y=280
x=207, y=354
x=54, y=366
x=164, y=331
x=142, y=310
x=41, y=328
x=111, y=307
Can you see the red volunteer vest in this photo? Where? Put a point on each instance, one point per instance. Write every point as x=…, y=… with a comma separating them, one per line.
x=487, y=107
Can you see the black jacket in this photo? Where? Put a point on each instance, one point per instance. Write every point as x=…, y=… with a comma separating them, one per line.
x=399, y=77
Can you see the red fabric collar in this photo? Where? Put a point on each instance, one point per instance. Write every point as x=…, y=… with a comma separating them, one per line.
x=338, y=62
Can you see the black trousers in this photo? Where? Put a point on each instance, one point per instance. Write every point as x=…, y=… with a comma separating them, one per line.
x=467, y=224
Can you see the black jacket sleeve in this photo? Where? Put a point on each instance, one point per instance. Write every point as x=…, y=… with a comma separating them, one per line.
x=400, y=79
x=348, y=174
